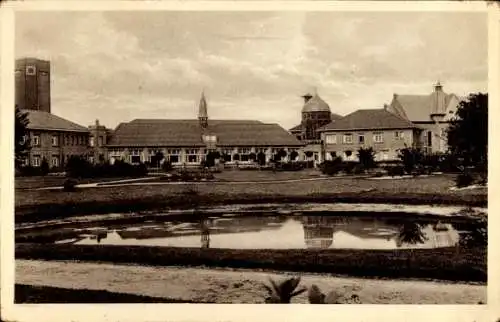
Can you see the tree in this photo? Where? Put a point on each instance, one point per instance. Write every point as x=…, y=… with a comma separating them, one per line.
x=44, y=167
x=261, y=158
x=411, y=233
x=411, y=158
x=468, y=131
x=158, y=157
x=22, y=143
x=366, y=158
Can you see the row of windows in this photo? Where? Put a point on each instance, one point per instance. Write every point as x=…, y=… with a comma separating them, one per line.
x=228, y=151
x=348, y=138
x=68, y=140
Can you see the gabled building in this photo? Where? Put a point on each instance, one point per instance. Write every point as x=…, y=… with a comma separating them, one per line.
x=54, y=139
x=431, y=112
x=379, y=129
x=186, y=142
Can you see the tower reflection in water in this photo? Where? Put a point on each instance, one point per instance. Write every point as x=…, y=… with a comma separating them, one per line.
x=205, y=233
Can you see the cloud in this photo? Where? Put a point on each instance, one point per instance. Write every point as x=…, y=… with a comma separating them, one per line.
x=122, y=65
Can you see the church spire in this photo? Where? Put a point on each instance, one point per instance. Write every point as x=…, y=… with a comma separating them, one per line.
x=202, y=112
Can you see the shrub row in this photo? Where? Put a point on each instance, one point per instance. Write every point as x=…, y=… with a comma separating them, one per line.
x=81, y=168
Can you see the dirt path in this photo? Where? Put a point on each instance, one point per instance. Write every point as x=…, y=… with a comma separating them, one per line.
x=232, y=286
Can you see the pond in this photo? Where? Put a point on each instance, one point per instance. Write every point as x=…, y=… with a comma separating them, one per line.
x=293, y=231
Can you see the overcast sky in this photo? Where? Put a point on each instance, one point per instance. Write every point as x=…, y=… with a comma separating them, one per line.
x=117, y=66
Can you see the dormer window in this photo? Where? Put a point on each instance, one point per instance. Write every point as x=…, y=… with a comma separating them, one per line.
x=209, y=138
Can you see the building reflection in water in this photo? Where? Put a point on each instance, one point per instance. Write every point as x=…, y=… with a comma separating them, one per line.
x=205, y=233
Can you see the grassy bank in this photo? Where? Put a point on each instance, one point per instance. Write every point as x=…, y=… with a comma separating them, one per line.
x=428, y=190
x=30, y=294
x=442, y=264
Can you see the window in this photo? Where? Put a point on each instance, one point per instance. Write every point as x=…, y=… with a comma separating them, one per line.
x=135, y=156
x=331, y=139
x=429, y=138
x=378, y=137
x=72, y=140
x=30, y=70
x=91, y=141
x=173, y=155
x=399, y=135
x=443, y=133
x=210, y=138
x=192, y=155
x=36, y=160
x=348, y=153
x=55, y=161
x=36, y=140
x=347, y=138
x=55, y=140
x=361, y=138
x=100, y=141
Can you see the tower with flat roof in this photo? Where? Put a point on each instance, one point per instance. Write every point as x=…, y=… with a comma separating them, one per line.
x=33, y=84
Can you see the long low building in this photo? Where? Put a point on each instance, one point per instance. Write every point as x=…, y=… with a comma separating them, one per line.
x=186, y=142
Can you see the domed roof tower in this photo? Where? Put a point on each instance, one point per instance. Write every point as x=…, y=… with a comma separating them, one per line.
x=315, y=114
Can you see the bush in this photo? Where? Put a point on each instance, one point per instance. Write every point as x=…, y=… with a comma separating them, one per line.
x=411, y=158
x=464, y=180
x=70, y=184
x=366, y=158
x=349, y=166
x=359, y=169
x=394, y=171
x=166, y=166
x=290, y=166
x=44, y=167
x=331, y=167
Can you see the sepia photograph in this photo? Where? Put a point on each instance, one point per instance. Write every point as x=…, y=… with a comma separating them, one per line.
x=250, y=156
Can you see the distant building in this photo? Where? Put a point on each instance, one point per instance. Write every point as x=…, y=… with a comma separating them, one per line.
x=315, y=114
x=431, y=112
x=379, y=129
x=54, y=139
x=186, y=142
x=414, y=121
x=33, y=84
x=98, y=139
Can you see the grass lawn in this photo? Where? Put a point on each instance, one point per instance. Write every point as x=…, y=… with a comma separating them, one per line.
x=265, y=175
x=420, y=190
x=442, y=263
x=55, y=181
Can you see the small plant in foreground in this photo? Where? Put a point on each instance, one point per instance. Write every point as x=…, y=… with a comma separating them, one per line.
x=283, y=292
x=315, y=296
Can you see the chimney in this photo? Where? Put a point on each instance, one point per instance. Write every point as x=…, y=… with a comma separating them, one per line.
x=306, y=97
x=438, y=87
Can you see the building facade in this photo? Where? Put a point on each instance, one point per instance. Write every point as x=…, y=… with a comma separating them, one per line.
x=54, y=139
x=187, y=142
x=432, y=113
x=32, y=89
x=384, y=132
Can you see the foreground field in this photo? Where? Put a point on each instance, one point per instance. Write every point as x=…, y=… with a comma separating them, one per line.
x=441, y=263
x=229, y=286
x=420, y=190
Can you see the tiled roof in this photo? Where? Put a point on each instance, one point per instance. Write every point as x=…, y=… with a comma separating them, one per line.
x=40, y=120
x=418, y=108
x=189, y=133
x=367, y=120
x=298, y=128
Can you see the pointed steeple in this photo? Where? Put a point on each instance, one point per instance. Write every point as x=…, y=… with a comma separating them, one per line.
x=202, y=111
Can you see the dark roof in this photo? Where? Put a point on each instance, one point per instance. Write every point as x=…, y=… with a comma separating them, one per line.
x=299, y=128
x=142, y=132
x=367, y=120
x=40, y=120
x=296, y=128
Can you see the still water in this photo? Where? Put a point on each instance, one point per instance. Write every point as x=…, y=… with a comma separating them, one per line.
x=280, y=232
